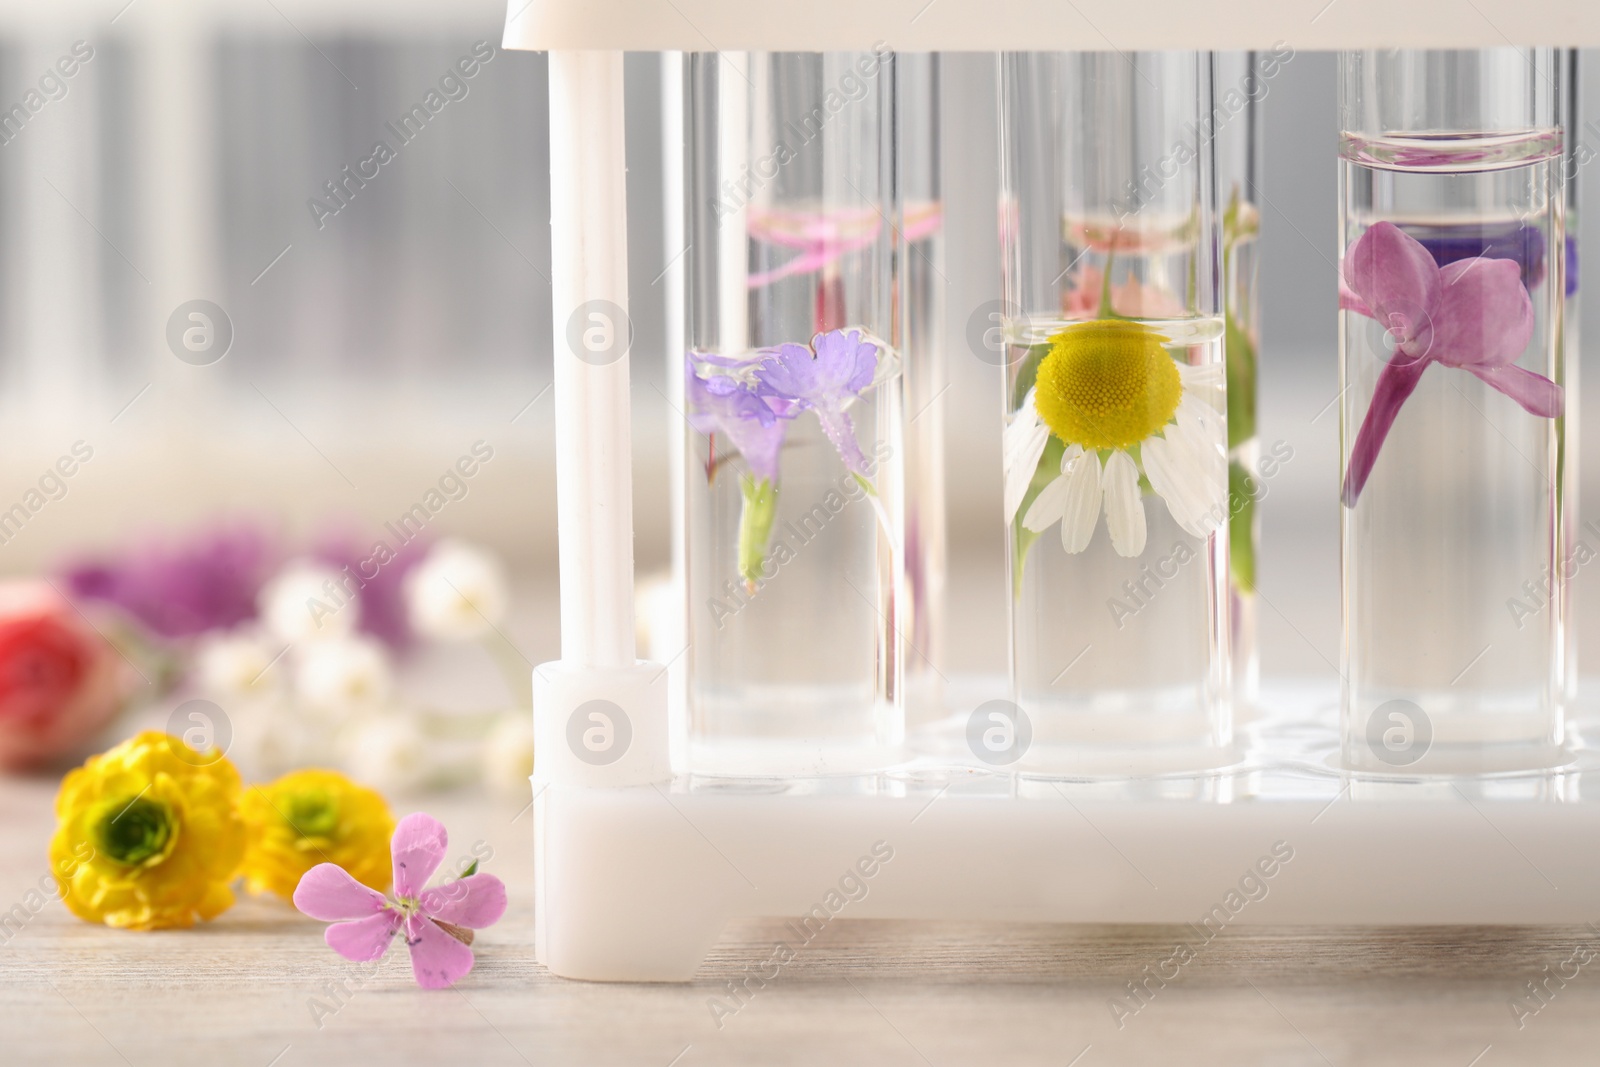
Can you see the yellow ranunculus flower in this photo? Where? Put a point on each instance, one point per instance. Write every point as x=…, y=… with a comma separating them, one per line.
x=148, y=835
x=310, y=817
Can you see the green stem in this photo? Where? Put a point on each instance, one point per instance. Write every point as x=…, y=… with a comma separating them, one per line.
x=755, y=526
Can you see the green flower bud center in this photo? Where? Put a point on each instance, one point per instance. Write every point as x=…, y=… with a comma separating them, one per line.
x=313, y=814
x=136, y=832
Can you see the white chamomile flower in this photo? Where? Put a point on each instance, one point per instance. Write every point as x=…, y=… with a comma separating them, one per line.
x=237, y=664
x=342, y=674
x=457, y=593
x=508, y=753
x=307, y=602
x=1122, y=406
x=390, y=753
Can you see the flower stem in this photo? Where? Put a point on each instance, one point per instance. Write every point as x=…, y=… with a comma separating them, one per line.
x=1396, y=382
x=755, y=526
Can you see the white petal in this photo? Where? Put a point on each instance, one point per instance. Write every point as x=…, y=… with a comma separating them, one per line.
x=1206, y=429
x=1081, y=473
x=1206, y=434
x=1172, y=482
x=1021, y=446
x=1022, y=427
x=1206, y=383
x=1047, y=506
x=1124, y=505
x=1178, y=472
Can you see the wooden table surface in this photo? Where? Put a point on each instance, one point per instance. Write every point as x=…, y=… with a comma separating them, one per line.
x=245, y=989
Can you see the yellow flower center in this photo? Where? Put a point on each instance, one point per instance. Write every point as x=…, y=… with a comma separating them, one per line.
x=1107, y=384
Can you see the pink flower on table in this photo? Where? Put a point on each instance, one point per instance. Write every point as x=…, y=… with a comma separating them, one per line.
x=438, y=922
x=1473, y=314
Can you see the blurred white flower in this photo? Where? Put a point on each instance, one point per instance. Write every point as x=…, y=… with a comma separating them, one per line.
x=657, y=617
x=508, y=754
x=307, y=602
x=236, y=665
x=457, y=593
x=270, y=738
x=343, y=674
x=390, y=753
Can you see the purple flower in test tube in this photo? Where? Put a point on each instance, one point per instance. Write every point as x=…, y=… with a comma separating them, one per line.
x=724, y=398
x=1522, y=245
x=825, y=378
x=726, y=401
x=1473, y=314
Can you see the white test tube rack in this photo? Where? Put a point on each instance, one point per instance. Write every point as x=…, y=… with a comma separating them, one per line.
x=639, y=869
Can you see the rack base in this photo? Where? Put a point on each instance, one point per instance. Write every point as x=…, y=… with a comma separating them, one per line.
x=636, y=884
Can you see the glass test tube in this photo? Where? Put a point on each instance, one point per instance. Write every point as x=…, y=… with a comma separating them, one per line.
x=793, y=505
x=1241, y=86
x=1115, y=440
x=1454, y=388
x=920, y=290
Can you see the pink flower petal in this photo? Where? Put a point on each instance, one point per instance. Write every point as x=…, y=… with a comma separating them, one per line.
x=1537, y=394
x=474, y=902
x=1392, y=274
x=363, y=939
x=418, y=845
x=327, y=892
x=1396, y=382
x=1349, y=301
x=1483, y=316
x=437, y=959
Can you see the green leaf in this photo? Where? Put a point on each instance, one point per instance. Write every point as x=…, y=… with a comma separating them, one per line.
x=470, y=871
x=1240, y=357
x=1241, y=529
x=755, y=525
x=1022, y=537
x=1028, y=373
x=863, y=483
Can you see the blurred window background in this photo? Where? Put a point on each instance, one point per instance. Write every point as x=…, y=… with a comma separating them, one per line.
x=377, y=337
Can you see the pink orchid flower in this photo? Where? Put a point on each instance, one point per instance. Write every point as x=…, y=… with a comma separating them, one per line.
x=1473, y=314
x=438, y=922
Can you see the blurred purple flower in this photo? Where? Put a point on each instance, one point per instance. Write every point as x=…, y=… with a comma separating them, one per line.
x=207, y=581
x=381, y=597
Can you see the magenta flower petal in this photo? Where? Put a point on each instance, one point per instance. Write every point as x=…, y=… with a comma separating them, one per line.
x=1396, y=278
x=418, y=845
x=437, y=959
x=1483, y=316
x=363, y=939
x=1349, y=301
x=1396, y=382
x=474, y=902
x=327, y=892
x=1537, y=394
